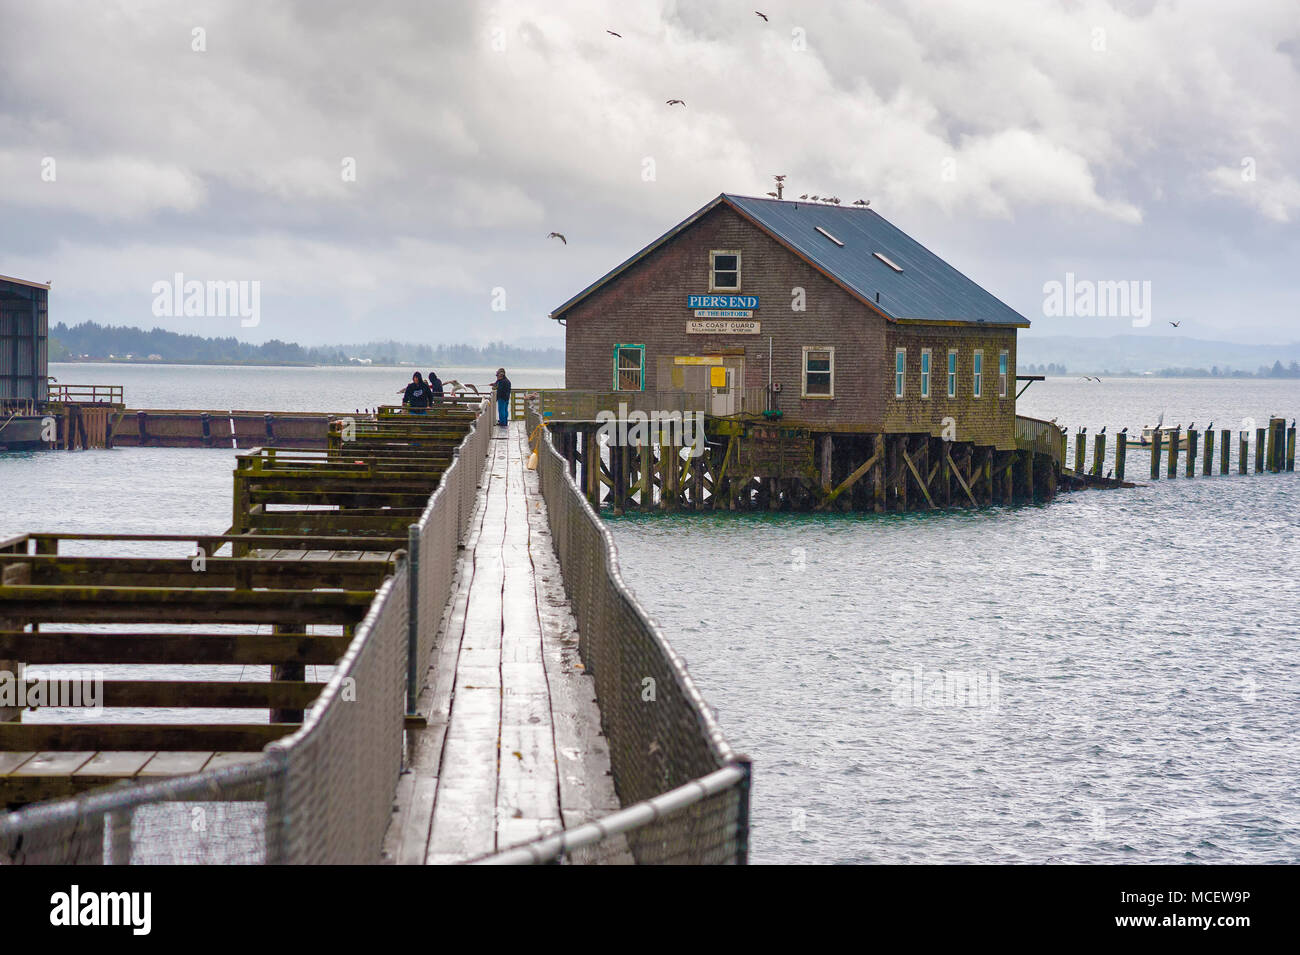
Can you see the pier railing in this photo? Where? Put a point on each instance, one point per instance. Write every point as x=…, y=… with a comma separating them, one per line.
x=1041, y=437
x=685, y=791
x=320, y=795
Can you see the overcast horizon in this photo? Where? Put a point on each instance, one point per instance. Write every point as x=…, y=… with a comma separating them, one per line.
x=388, y=171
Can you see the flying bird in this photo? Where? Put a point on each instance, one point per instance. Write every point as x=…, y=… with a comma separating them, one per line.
x=763, y=15
x=1175, y=324
x=675, y=102
x=612, y=33
x=556, y=235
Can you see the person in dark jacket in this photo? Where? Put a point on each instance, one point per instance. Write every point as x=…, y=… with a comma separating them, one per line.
x=435, y=386
x=416, y=396
x=502, y=388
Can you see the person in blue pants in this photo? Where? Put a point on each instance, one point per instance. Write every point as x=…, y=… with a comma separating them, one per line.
x=502, y=388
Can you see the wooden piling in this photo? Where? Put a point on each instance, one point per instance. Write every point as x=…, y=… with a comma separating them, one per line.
x=1270, y=456
x=1290, y=448
x=1260, y=441
x=1098, y=454
x=1243, y=452
x=1225, y=454
x=1191, y=452
x=1175, y=439
x=1157, y=442
x=1121, y=450
x=1079, y=449
x=1277, y=444
x=878, y=474
x=1207, y=462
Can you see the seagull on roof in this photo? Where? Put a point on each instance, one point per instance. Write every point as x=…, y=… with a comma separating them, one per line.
x=763, y=15
x=804, y=196
x=772, y=194
x=675, y=102
x=815, y=198
x=862, y=202
x=612, y=33
x=556, y=235
x=779, y=178
x=835, y=200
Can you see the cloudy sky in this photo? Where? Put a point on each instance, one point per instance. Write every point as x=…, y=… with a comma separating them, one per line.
x=1149, y=141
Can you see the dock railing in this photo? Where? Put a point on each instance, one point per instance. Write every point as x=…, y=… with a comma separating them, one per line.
x=1041, y=437
x=86, y=394
x=320, y=795
x=684, y=790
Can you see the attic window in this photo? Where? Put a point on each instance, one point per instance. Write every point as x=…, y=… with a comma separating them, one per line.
x=888, y=261
x=831, y=237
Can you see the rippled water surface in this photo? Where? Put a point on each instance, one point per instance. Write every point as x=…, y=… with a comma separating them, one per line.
x=1143, y=642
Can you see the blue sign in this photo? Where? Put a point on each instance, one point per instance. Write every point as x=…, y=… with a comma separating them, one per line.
x=722, y=301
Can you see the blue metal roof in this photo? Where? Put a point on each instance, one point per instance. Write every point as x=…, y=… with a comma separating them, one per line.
x=927, y=288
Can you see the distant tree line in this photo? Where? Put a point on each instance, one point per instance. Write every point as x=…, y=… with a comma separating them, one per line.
x=90, y=340
x=1277, y=371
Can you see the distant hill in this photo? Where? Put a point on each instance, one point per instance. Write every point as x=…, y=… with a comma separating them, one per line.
x=1163, y=355
x=90, y=340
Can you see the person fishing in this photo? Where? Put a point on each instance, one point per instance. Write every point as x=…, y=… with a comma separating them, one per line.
x=416, y=395
x=502, y=388
x=435, y=386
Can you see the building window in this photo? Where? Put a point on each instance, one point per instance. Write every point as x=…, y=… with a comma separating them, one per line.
x=925, y=373
x=724, y=271
x=818, y=372
x=629, y=368
x=977, y=378
x=952, y=373
x=1002, y=373
x=900, y=366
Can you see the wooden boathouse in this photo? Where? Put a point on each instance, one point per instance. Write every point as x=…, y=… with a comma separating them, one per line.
x=836, y=362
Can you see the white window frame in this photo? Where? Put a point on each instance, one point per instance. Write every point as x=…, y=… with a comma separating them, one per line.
x=713, y=271
x=927, y=367
x=977, y=374
x=952, y=372
x=803, y=376
x=900, y=374
x=1004, y=371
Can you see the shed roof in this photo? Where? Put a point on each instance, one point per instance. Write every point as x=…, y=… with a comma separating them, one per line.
x=922, y=288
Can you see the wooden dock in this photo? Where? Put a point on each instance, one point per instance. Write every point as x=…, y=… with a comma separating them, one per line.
x=512, y=747
x=315, y=534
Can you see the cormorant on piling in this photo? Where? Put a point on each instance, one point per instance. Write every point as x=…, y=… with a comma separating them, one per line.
x=1211, y=426
x=1109, y=473
x=1103, y=429
x=1123, y=430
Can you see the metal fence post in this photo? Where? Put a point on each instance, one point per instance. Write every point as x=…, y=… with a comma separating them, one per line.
x=742, y=810
x=413, y=616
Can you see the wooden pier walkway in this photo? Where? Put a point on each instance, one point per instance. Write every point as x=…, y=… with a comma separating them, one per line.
x=512, y=748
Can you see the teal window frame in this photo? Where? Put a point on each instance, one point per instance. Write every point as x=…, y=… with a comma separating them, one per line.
x=977, y=375
x=952, y=373
x=925, y=373
x=641, y=371
x=900, y=371
x=1003, y=361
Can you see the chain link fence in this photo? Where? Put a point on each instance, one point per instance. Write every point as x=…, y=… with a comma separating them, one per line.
x=323, y=794
x=686, y=792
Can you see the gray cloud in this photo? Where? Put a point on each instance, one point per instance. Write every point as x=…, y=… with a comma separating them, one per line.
x=1020, y=140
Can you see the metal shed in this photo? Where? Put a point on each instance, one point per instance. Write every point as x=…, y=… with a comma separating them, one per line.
x=24, y=340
